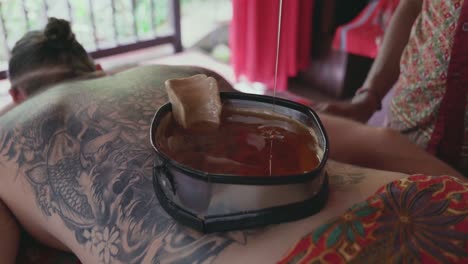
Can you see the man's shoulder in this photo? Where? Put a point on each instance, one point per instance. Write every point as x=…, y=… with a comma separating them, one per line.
x=158, y=74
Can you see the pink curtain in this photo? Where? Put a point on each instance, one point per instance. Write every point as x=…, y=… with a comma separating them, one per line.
x=253, y=37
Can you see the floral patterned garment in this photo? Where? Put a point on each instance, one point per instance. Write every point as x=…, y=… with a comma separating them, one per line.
x=418, y=219
x=424, y=65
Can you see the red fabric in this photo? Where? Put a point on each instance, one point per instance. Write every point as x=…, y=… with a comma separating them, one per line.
x=419, y=219
x=253, y=38
x=359, y=37
x=447, y=138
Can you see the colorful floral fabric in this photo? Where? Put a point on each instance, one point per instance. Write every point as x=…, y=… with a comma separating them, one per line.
x=419, y=219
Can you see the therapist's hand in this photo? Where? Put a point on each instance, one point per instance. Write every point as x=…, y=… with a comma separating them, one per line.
x=360, y=109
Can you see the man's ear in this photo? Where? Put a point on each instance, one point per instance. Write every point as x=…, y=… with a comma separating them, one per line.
x=17, y=95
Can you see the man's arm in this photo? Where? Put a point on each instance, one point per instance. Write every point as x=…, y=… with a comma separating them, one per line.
x=10, y=234
x=380, y=148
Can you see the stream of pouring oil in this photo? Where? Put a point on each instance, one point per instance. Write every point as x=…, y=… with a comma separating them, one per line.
x=278, y=43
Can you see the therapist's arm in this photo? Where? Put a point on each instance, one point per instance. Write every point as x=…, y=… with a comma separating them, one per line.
x=386, y=67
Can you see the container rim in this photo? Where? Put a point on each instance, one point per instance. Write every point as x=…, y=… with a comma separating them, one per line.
x=243, y=219
x=246, y=180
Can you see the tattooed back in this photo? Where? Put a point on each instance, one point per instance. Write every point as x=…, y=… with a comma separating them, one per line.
x=77, y=160
x=75, y=166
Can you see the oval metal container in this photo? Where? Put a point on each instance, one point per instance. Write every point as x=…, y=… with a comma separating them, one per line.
x=219, y=202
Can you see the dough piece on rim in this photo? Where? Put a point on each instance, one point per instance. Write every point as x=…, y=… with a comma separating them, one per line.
x=195, y=101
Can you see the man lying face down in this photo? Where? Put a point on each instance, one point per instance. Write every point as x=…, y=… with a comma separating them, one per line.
x=76, y=169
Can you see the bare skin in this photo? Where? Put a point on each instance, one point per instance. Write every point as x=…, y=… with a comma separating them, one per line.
x=76, y=174
x=380, y=148
x=6, y=108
